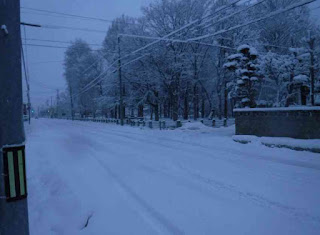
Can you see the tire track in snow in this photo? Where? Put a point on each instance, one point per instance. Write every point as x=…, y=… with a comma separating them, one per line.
x=254, y=198
x=236, y=152
x=212, y=184
x=162, y=223
x=235, y=160
x=158, y=221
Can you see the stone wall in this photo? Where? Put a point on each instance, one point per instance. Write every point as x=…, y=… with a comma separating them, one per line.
x=295, y=122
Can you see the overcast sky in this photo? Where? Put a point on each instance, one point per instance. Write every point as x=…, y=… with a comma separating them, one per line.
x=46, y=64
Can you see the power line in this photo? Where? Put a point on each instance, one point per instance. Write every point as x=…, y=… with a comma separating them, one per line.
x=56, y=41
x=62, y=27
x=72, y=28
x=184, y=27
x=174, y=32
x=47, y=62
x=275, y=13
x=66, y=14
x=234, y=14
x=98, y=79
x=219, y=32
x=48, y=46
x=175, y=40
x=166, y=36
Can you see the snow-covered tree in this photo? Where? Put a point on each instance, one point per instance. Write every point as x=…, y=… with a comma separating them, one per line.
x=244, y=66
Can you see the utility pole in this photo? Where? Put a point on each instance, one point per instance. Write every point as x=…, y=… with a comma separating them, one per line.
x=58, y=102
x=13, y=191
x=121, y=113
x=71, y=103
x=27, y=83
x=51, y=108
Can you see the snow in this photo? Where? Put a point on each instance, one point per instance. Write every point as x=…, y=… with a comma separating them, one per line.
x=299, y=144
x=245, y=78
x=192, y=180
x=230, y=64
x=235, y=56
x=253, y=51
x=301, y=78
x=240, y=82
x=192, y=126
x=254, y=79
x=4, y=28
x=293, y=108
x=243, y=47
x=244, y=100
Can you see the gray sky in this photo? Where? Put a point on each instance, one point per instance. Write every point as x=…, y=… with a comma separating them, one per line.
x=46, y=64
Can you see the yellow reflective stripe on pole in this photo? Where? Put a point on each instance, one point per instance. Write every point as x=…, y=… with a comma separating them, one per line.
x=11, y=175
x=21, y=173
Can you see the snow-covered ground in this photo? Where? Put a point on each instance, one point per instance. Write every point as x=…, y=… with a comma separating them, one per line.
x=196, y=180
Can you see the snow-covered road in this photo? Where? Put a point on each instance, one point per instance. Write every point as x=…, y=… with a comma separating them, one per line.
x=124, y=180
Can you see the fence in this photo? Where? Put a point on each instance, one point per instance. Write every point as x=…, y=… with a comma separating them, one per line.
x=162, y=124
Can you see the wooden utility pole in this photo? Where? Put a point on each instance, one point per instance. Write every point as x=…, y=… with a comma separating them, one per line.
x=13, y=191
x=27, y=83
x=121, y=113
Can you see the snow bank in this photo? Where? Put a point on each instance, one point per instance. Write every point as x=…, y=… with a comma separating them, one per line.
x=281, y=142
x=195, y=126
x=296, y=144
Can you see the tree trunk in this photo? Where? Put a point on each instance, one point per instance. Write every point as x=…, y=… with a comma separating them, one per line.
x=312, y=73
x=220, y=106
x=156, y=106
x=195, y=103
x=140, y=110
x=175, y=108
x=203, y=107
x=186, y=106
x=156, y=112
x=225, y=101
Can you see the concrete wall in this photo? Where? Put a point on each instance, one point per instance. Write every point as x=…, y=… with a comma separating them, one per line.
x=302, y=123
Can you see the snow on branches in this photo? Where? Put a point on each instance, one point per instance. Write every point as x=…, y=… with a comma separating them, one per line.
x=244, y=66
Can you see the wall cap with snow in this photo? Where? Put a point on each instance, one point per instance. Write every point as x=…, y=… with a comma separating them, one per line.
x=295, y=108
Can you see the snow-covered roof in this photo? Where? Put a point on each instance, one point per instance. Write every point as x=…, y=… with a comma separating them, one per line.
x=293, y=108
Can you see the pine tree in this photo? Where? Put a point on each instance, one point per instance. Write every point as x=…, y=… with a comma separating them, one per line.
x=244, y=66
